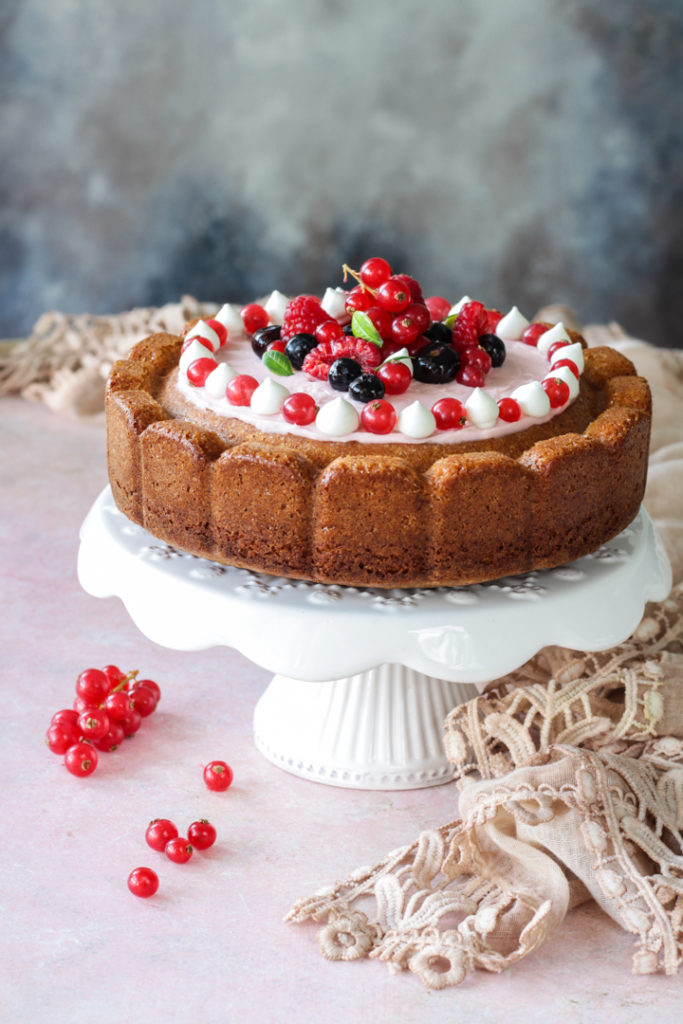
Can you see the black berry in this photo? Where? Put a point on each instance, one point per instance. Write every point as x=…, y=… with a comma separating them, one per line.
x=439, y=332
x=342, y=372
x=348, y=329
x=262, y=338
x=366, y=388
x=492, y=344
x=298, y=347
x=435, y=363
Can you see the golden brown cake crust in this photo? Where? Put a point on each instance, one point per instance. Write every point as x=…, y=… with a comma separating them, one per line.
x=390, y=515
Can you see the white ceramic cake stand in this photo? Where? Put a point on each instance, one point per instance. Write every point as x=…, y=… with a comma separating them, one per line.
x=396, y=661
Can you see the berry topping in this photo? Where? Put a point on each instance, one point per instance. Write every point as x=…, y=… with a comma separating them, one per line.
x=495, y=348
x=201, y=834
x=159, y=832
x=394, y=295
x=318, y=362
x=410, y=324
x=569, y=363
x=240, y=389
x=472, y=376
x=509, y=410
x=298, y=347
x=264, y=337
x=299, y=408
x=358, y=300
x=493, y=318
x=143, y=882
x=412, y=285
x=382, y=320
x=199, y=370
x=470, y=323
x=439, y=332
x=328, y=331
x=557, y=391
x=533, y=332
x=375, y=272
x=366, y=388
x=342, y=372
x=435, y=363
x=552, y=349
x=395, y=376
x=254, y=317
x=438, y=308
x=81, y=759
x=220, y=329
x=218, y=776
x=302, y=315
x=378, y=417
x=449, y=414
x=476, y=357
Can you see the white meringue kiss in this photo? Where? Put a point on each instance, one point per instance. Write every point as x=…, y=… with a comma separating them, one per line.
x=402, y=356
x=482, y=410
x=218, y=380
x=565, y=374
x=206, y=334
x=532, y=399
x=268, y=397
x=512, y=326
x=458, y=306
x=195, y=350
x=275, y=306
x=573, y=352
x=416, y=421
x=337, y=418
x=334, y=303
x=230, y=317
x=549, y=337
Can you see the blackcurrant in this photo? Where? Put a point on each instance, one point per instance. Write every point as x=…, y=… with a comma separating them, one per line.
x=342, y=373
x=439, y=332
x=366, y=388
x=298, y=347
x=492, y=344
x=435, y=363
x=262, y=338
x=348, y=329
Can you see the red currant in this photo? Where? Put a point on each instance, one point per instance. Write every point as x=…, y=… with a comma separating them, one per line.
x=532, y=333
x=299, y=408
x=220, y=329
x=449, y=414
x=159, y=832
x=60, y=736
x=202, y=341
x=359, y=300
x=411, y=284
x=143, y=882
x=493, y=318
x=276, y=346
x=118, y=705
x=393, y=295
x=111, y=739
x=114, y=675
x=375, y=272
x=92, y=685
x=131, y=722
x=472, y=376
x=201, y=834
x=557, y=391
x=240, y=389
x=94, y=724
x=378, y=417
x=382, y=321
x=81, y=759
x=567, y=362
x=438, y=308
x=509, y=409
x=81, y=704
x=328, y=331
x=254, y=317
x=199, y=370
x=67, y=716
x=218, y=776
x=396, y=377
x=408, y=325
x=143, y=700
x=178, y=850
x=150, y=685
x=554, y=347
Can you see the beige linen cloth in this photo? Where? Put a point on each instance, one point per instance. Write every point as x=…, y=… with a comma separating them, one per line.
x=570, y=770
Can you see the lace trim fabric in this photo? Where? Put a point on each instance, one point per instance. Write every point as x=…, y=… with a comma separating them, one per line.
x=571, y=778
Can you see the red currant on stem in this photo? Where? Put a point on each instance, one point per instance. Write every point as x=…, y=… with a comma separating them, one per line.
x=148, y=684
x=382, y=321
x=359, y=300
x=375, y=272
x=118, y=705
x=81, y=704
x=93, y=724
x=114, y=675
x=240, y=389
x=378, y=417
x=299, y=408
x=218, y=776
x=393, y=295
x=178, y=850
x=92, y=685
x=131, y=722
x=143, y=700
x=328, y=331
x=111, y=739
x=60, y=736
x=143, y=882
x=67, y=716
x=449, y=414
x=201, y=834
x=81, y=759
x=395, y=376
x=159, y=832
x=254, y=317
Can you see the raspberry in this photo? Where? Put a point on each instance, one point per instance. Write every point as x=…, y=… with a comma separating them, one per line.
x=472, y=321
x=302, y=315
x=318, y=361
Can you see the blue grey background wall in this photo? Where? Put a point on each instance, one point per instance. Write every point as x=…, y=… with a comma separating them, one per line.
x=518, y=150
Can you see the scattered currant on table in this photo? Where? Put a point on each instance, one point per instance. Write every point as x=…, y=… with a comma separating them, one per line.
x=143, y=882
x=201, y=834
x=159, y=832
x=178, y=850
x=109, y=706
x=218, y=776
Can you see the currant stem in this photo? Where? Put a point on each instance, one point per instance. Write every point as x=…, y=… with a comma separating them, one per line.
x=356, y=276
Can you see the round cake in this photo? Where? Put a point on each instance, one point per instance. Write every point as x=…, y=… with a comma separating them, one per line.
x=373, y=437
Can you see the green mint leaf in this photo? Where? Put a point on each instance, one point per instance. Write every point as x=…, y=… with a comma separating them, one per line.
x=363, y=327
x=277, y=362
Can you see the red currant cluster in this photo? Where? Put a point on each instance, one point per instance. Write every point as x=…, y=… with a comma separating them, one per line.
x=109, y=707
x=162, y=835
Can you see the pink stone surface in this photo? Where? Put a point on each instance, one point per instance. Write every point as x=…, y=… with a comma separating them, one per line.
x=211, y=945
